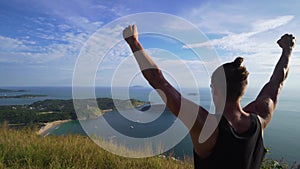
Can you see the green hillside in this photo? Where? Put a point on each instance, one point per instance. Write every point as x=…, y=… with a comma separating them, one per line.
x=25, y=149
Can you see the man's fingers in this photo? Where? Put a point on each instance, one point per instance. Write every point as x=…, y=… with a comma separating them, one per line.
x=134, y=28
x=287, y=37
x=130, y=29
x=127, y=32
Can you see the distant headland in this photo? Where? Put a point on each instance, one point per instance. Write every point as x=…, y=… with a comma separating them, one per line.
x=9, y=90
x=23, y=96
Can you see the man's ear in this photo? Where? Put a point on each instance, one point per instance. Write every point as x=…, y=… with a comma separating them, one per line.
x=218, y=93
x=215, y=91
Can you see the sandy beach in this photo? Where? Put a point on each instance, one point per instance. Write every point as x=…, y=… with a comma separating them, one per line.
x=50, y=125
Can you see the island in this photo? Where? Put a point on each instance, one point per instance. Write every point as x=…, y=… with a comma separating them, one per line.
x=8, y=90
x=138, y=86
x=23, y=96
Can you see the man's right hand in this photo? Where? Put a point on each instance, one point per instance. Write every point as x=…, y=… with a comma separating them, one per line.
x=287, y=41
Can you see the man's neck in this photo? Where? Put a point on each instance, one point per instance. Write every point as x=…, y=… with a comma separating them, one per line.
x=232, y=109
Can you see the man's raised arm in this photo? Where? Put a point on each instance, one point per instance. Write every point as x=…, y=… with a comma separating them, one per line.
x=173, y=99
x=266, y=101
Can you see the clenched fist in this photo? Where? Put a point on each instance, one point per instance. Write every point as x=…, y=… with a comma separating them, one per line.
x=130, y=34
x=286, y=41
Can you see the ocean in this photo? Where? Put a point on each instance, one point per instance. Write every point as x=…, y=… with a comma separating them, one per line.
x=281, y=136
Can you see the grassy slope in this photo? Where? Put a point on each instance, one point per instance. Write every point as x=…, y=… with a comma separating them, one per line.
x=25, y=149
x=22, y=149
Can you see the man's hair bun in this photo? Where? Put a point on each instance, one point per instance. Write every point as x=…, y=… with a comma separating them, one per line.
x=235, y=80
x=238, y=61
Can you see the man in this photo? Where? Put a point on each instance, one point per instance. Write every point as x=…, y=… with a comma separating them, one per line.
x=237, y=141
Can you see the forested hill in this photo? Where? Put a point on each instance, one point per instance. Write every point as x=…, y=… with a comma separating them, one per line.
x=52, y=110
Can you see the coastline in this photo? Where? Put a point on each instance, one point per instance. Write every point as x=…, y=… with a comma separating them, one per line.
x=44, y=131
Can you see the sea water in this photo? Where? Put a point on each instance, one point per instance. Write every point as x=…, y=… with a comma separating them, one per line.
x=282, y=136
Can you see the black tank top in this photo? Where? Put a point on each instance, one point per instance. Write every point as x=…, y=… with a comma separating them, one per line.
x=233, y=150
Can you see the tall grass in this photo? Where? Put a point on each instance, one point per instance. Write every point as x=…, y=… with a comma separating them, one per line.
x=25, y=149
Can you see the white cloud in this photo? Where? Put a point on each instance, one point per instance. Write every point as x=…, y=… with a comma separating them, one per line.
x=236, y=33
x=213, y=17
x=178, y=24
x=265, y=25
x=63, y=44
x=8, y=44
x=64, y=27
x=22, y=51
x=243, y=42
x=98, y=7
x=84, y=24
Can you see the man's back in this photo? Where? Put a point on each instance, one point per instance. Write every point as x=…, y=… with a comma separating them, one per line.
x=233, y=150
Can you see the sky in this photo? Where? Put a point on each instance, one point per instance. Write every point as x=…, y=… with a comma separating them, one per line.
x=41, y=41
